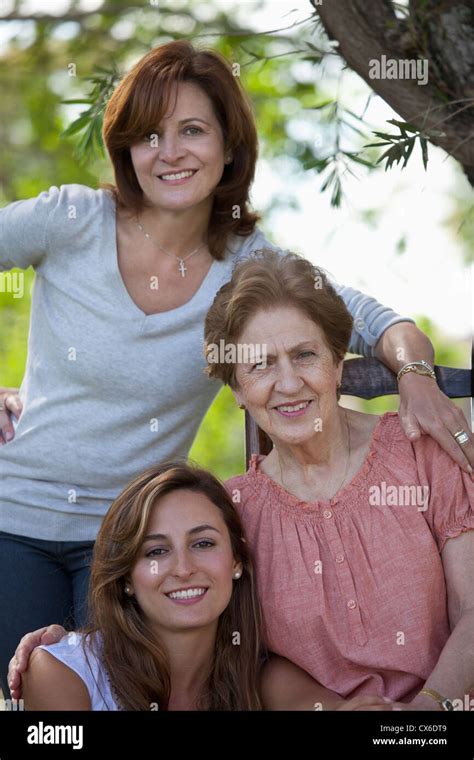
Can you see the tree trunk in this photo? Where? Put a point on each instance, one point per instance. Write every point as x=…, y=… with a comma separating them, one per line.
x=440, y=32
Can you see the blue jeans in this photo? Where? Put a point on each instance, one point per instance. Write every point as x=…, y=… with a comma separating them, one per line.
x=41, y=582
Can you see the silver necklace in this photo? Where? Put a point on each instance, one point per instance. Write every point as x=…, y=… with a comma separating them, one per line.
x=347, y=462
x=180, y=259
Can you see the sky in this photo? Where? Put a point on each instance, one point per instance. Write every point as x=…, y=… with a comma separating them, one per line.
x=429, y=277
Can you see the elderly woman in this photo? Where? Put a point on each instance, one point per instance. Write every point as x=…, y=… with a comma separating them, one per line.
x=363, y=540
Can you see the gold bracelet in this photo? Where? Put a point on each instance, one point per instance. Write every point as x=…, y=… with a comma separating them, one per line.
x=420, y=368
x=444, y=702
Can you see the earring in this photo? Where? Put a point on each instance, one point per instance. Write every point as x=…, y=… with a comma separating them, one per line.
x=128, y=590
x=228, y=159
x=237, y=574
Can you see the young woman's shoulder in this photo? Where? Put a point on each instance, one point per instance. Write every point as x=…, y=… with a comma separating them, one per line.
x=49, y=684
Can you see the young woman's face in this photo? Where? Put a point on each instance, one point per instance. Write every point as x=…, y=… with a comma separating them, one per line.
x=295, y=393
x=190, y=140
x=183, y=575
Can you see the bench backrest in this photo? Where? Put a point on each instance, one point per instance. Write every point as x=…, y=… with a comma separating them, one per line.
x=366, y=378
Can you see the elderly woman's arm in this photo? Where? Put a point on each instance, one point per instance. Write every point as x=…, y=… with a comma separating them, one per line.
x=453, y=676
x=423, y=406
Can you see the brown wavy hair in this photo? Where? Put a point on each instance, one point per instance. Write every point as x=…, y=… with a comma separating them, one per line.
x=267, y=279
x=139, y=103
x=136, y=662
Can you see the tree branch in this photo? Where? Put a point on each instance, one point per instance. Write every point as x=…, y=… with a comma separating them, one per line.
x=109, y=9
x=366, y=30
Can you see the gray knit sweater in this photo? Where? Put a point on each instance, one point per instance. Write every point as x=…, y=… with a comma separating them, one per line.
x=107, y=391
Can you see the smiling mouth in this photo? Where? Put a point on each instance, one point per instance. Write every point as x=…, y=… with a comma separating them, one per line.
x=189, y=593
x=293, y=409
x=174, y=176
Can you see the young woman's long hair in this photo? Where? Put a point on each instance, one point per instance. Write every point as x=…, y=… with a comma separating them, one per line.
x=135, y=660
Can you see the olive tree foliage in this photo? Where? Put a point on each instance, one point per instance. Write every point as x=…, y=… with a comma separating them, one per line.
x=416, y=55
x=425, y=52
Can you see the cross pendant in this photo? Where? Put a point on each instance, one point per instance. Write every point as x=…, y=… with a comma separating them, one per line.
x=182, y=268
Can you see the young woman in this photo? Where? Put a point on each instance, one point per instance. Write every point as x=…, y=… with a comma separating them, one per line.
x=124, y=278
x=175, y=622
x=174, y=617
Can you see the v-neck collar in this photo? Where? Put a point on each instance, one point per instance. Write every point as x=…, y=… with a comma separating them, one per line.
x=127, y=300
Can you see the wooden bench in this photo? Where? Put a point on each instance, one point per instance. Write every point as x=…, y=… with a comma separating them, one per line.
x=367, y=378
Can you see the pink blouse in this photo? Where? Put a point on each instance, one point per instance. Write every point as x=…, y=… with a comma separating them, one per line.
x=352, y=588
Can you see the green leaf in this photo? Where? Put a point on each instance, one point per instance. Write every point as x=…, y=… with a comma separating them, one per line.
x=89, y=101
x=324, y=104
x=408, y=151
x=386, y=136
x=424, y=150
x=80, y=123
x=391, y=156
x=356, y=157
x=328, y=181
x=336, y=194
x=317, y=163
x=404, y=125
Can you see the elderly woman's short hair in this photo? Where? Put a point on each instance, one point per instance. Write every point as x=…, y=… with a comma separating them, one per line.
x=266, y=280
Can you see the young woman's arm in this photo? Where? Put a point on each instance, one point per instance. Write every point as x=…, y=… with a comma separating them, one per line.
x=285, y=686
x=48, y=684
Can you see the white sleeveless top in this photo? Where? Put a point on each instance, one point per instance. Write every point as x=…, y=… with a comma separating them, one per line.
x=88, y=666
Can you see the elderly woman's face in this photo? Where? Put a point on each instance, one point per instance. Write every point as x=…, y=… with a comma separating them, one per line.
x=292, y=396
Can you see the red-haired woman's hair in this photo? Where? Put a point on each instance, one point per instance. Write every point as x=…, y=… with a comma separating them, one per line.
x=137, y=107
x=135, y=660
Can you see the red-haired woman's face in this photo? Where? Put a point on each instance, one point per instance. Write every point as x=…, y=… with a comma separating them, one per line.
x=189, y=139
x=183, y=575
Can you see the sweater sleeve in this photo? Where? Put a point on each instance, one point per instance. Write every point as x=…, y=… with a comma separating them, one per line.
x=371, y=318
x=24, y=230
